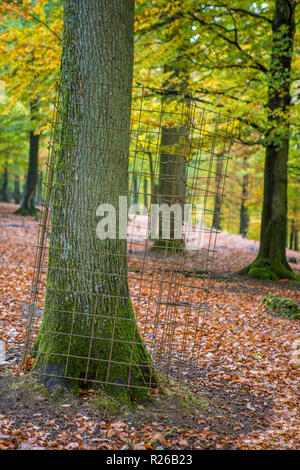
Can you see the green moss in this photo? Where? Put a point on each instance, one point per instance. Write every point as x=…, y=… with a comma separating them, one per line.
x=264, y=268
x=117, y=372
x=189, y=400
x=28, y=385
x=169, y=245
x=126, y=359
x=262, y=273
x=186, y=397
x=107, y=404
x=282, y=307
x=27, y=212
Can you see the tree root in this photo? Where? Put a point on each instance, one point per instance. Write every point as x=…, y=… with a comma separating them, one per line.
x=263, y=268
x=27, y=212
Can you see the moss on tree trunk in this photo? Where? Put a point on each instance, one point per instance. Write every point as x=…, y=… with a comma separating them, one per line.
x=88, y=311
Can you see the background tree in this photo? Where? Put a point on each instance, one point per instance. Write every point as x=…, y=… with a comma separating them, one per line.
x=14, y=127
x=271, y=260
x=28, y=202
x=241, y=54
x=30, y=51
x=244, y=217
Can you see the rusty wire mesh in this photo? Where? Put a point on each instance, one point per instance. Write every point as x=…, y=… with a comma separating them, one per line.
x=178, y=154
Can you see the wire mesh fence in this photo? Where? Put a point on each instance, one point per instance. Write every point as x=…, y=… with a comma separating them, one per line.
x=127, y=235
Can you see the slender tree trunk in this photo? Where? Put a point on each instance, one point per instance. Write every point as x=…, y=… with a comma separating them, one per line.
x=28, y=203
x=271, y=262
x=88, y=308
x=296, y=241
x=40, y=189
x=145, y=192
x=217, y=208
x=244, y=217
x=292, y=235
x=17, y=193
x=154, y=187
x=135, y=189
x=4, y=187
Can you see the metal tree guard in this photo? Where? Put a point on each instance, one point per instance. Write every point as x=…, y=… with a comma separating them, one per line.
x=178, y=156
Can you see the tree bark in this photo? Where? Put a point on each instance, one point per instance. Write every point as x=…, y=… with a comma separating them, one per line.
x=271, y=262
x=88, y=308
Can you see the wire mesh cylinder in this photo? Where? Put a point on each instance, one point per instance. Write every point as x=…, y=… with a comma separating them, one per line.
x=127, y=235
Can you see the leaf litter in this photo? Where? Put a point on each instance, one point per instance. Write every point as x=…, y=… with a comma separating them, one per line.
x=246, y=385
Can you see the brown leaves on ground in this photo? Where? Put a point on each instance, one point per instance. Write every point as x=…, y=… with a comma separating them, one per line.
x=245, y=370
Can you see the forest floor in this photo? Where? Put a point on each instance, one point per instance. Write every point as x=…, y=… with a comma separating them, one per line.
x=245, y=394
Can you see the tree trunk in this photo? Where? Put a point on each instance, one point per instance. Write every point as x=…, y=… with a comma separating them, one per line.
x=88, y=309
x=271, y=262
x=154, y=186
x=244, y=217
x=145, y=192
x=171, y=184
x=296, y=241
x=39, y=198
x=135, y=189
x=17, y=193
x=217, y=208
x=292, y=235
x=28, y=203
x=4, y=187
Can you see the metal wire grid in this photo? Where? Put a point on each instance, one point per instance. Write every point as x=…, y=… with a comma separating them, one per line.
x=167, y=287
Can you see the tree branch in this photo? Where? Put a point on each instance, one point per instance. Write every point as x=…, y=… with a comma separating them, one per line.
x=247, y=12
x=232, y=42
x=36, y=18
x=221, y=93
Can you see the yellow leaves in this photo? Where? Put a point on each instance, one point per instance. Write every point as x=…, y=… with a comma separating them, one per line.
x=30, y=51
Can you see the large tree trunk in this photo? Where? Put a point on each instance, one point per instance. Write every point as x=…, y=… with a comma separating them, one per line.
x=28, y=203
x=271, y=261
x=87, y=287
